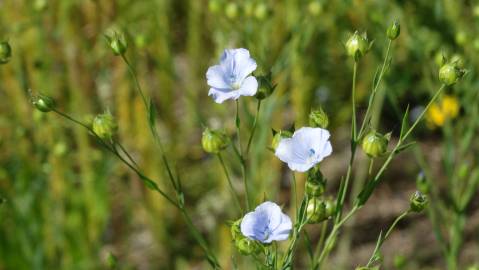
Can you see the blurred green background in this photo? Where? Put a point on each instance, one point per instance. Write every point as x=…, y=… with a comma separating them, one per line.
x=66, y=203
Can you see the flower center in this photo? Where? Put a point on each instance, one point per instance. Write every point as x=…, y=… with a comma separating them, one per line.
x=311, y=155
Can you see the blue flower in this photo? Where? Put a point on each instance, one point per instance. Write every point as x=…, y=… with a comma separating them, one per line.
x=266, y=224
x=231, y=78
x=306, y=148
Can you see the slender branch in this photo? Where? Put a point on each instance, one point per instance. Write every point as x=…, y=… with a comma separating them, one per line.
x=255, y=121
x=230, y=183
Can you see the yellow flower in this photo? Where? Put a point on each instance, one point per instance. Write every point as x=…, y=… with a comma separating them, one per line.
x=438, y=113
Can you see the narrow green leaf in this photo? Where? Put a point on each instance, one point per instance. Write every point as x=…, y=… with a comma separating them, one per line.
x=404, y=123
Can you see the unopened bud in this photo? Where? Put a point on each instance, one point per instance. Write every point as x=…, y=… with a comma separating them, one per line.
x=374, y=144
x=315, y=183
x=117, y=42
x=318, y=118
x=418, y=202
x=393, y=30
x=278, y=136
x=319, y=210
x=450, y=73
x=357, y=45
x=213, y=141
x=104, y=126
x=265, y=87
x=42, y=103
x=5, y=52
x=421, y=183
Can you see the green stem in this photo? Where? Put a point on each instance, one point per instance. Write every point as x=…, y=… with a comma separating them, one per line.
x=239, y=152
x=382, y=239
x=230, y=183
x=353, y=103
x=255, y=121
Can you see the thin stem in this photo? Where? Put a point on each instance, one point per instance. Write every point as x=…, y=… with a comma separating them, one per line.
x=135, y=78
x=239, y=152
x=255, y=121
x=127, y=154
x=295, y=194
x=230, y=183
x=382, y=239
x=353, y=103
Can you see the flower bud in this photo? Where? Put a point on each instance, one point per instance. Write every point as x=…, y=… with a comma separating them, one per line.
x=450, y=73
x=43, y=103
x=393, y=30
x=244, y=245
x=278, y=136
x=261, y=11
x=231, y=10
x=315, y=183
x=213, y=141
x=265, y=86
x=5, y=52
x=357, y=46
x=117, y=42
x=315, y=7
x=214, y=6
x=318, y=118
x=319, y=210
x=104, y=126
x=375, y=144
x=421, y=183
x=418, y=202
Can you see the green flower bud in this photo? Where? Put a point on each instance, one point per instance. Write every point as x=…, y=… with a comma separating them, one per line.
x=393, y=30
x=104, y=126
x=319, y=210
x=231, y=10
x=261, y=11
x=214, y=6
x=315, y=183
x=315, y=7
x=278, y=136
x=43, y=103
x=421, y=183
x=111, y=261
x=244, y=245
x=418, y=202
x=318, y=118
x=450, y=73
x=357, y=46
x=117, y=42
x=213, y=141
x=5, y=52
x=375, y=144
x=265, y=86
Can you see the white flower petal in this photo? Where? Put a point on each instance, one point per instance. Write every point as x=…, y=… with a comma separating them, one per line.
x=244, y=64
x=249, y=86
x=215, y=77
x=287, y=152
x=220, y=95
x=272, y=211
x=283, y=231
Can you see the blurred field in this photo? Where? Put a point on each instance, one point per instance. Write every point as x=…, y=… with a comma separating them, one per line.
x=67, y=203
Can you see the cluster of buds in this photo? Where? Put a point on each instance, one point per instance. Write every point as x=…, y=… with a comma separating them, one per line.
x=5, y=52
x=358, y=45
x=375, y=144
x=244, y=245
x=318, y=209
x=104, y=126
x=213, y=141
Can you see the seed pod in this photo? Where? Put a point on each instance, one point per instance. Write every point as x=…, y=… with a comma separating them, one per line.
x=357, y=46
x=418, y=202
x=244, y=245
x=104, y=126
x=43, y=103
x=213, y=141
x=315, y=183
x=265, y=86
x=375, y=144
x=450, y=73
x=117, y=42
x=393, y=30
